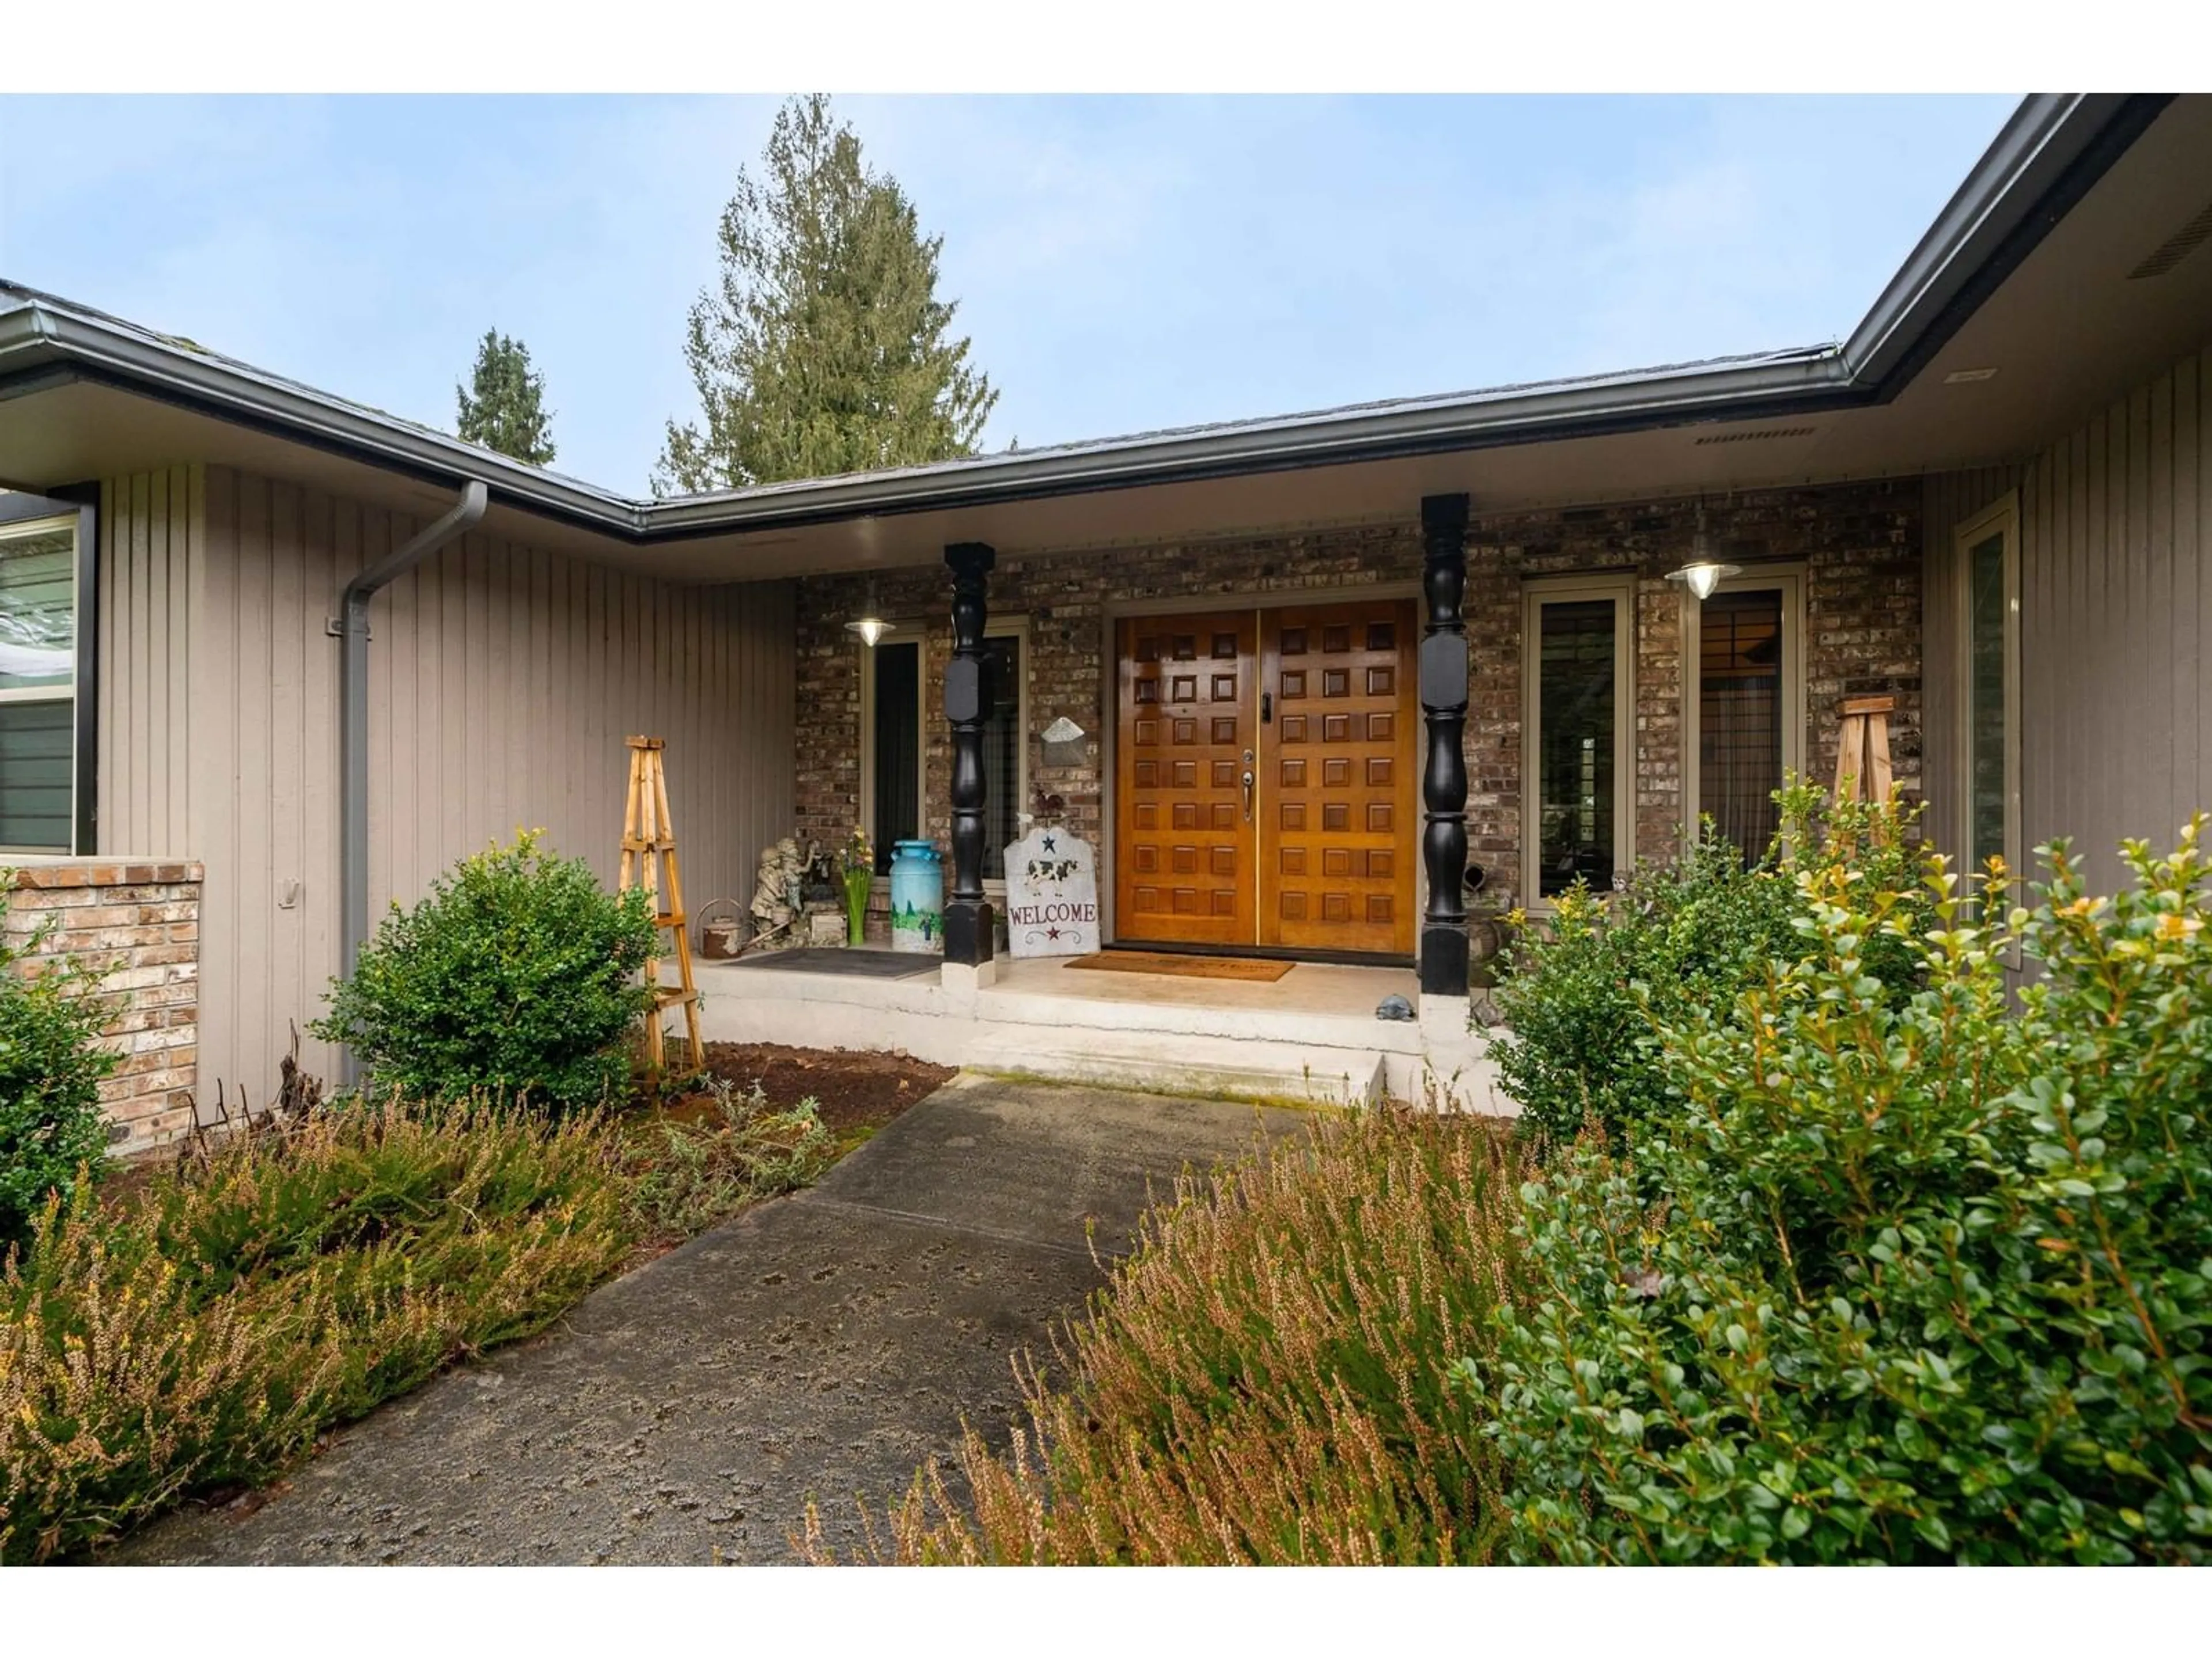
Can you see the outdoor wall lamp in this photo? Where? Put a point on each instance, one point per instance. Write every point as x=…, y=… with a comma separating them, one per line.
x=1703, y=573
x=869, y=624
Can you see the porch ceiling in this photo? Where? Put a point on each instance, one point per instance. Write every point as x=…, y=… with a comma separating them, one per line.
x=2069, y=327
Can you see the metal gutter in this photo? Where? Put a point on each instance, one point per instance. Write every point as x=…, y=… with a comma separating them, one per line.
x=2051, y=151
x=352, y=627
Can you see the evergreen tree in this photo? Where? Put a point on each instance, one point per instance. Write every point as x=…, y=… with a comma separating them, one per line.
x=506, y=409
x=823, y=348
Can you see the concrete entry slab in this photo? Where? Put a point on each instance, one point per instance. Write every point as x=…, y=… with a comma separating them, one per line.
x=824, y=1345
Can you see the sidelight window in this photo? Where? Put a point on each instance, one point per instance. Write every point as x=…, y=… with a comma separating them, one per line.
x=1988, y=566
x=1577, y=789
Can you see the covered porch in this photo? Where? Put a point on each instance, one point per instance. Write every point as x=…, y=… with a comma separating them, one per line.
x=1311, y=1037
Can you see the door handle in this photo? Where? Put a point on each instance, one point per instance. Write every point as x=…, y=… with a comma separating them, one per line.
x=1266, y=708
x=1247, y=785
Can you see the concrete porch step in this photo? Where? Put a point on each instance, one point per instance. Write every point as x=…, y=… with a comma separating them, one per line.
x=1182, y=1063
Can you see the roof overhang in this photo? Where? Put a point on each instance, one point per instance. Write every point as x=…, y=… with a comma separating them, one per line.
x=2022, y=271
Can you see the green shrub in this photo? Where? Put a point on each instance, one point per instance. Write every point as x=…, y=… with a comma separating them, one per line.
x=1584, y=993
x=1932, y=1278
x=51, y=1067
x=201, y=1332
x=1579, y=995
x=1268, y=1379
x=514, y=976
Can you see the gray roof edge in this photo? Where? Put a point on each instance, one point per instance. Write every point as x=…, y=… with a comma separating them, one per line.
x=2040, y=140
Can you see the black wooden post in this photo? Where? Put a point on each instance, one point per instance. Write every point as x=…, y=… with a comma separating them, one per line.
x=1444, y=775
x=967, y=921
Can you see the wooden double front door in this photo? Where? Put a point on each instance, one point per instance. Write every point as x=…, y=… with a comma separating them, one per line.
x=1265, y=778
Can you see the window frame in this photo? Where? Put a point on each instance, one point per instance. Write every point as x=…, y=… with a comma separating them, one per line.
x=911, y=632
x=2001, y=516
x=1619, y=587
x=1790, y=579
x=24, y=515
x=900, y=633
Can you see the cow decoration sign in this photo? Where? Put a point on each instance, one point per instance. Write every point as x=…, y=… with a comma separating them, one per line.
x=1052, y=895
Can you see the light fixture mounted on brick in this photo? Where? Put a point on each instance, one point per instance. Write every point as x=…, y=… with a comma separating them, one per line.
x=869, y=624
x=1703, y=573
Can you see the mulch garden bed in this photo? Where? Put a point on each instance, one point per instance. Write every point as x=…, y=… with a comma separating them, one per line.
x=855, y=1094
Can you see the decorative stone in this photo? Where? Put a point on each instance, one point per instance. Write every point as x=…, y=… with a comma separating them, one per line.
x=1394, y=1006
x=1051, y=895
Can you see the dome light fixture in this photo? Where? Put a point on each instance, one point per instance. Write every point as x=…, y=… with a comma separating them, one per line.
x=1703, y=573
x=869, y=624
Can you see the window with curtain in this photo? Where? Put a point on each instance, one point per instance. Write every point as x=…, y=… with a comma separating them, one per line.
x=1740, y=715
x=894, y=748
x=1002, y=750
x=1579, y=720
x=38, y=686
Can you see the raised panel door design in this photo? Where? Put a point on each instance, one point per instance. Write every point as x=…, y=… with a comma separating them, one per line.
x=1336, y=853
x=1187, y=702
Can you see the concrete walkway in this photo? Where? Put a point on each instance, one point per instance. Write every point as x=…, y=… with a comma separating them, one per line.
x=822, y=1345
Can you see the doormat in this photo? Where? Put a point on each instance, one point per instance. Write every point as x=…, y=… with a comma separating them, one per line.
x=845, y=963
x=1170, y=962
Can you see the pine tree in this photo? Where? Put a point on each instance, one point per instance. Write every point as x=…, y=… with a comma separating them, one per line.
x=822, y=348
x=506, y=411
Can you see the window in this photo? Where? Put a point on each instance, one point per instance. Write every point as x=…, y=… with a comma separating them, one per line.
x=1988, y=550
x=893, y=729
x=895, y=744
x=1002, y=750
x=1577, y=813
x=1746, y=704
x=40, y=796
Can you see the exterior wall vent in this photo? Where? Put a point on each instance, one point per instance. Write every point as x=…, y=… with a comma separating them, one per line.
x=1764, y=435
x=2176, y=247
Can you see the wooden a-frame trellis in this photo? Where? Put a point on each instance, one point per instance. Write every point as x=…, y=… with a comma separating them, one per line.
x=648, y=836
x=1863, y=767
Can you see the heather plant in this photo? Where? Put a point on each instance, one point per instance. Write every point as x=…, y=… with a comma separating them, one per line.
x=1267, y=1377
x=1585, y=995
x=515, y=976
x=1932, y=1277
x=200, y=1332
x=51, y=1067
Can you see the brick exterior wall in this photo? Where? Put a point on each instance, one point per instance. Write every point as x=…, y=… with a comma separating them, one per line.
x=1858, y=545
x=140, y=920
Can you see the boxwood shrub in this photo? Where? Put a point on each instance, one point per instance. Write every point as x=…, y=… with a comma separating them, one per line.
x=1585, y=991
x=1930, y=1278
x=515, y=975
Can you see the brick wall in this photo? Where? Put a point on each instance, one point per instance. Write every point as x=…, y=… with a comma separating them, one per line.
x=139, y=920
x=1858, y=544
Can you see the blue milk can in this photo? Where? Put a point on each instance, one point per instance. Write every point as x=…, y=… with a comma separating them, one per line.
x=917, y=896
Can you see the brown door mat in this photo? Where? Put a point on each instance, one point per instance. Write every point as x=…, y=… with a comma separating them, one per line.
x=1190, y=967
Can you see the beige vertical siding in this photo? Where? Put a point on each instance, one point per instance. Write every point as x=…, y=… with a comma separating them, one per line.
x=153, y=532
x=503, y=681
x=2116, y=621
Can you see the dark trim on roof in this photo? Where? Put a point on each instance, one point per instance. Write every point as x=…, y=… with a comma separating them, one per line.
x=1881, y=350
x=2051, y=152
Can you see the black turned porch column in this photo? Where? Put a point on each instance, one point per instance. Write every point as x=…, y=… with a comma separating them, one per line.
x=1443, y=774
x=967, y=921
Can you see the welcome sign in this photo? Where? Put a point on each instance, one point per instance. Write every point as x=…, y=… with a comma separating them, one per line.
x=1052, y=895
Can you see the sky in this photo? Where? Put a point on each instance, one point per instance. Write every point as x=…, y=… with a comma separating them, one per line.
x=1120, y=264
